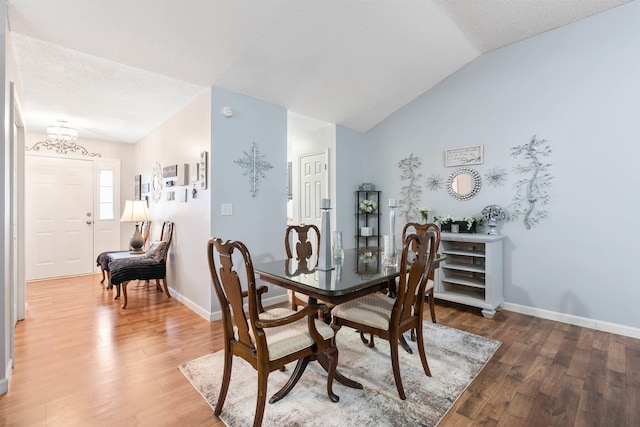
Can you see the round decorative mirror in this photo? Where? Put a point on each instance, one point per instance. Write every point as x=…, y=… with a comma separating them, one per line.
x=464, y=183
x=156, y=182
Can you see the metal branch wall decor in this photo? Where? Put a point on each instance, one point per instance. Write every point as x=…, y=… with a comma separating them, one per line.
x=435, y=182
x=411, y=191
x=531, y=192
x=496, y=177
x=254, y=165
x=62, y=146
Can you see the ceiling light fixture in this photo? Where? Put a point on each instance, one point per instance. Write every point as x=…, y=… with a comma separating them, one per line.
x=60, y=139
x=61, y=132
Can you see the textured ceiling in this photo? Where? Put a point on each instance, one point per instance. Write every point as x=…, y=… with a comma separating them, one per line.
x=117, y=69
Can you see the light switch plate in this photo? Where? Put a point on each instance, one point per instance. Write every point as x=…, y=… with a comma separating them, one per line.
x=226, y=209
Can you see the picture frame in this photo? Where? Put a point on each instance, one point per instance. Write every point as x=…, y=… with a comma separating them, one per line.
x=202, y=170
x=137, y=189
x=464, y=156
x=170, y=171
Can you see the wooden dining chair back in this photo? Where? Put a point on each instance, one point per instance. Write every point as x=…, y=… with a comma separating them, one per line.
x=421, y=229
x=389, y=318
x=267, y=339
x=307, y=239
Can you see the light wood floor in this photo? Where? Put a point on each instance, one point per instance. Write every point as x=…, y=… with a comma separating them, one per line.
x=81, y=360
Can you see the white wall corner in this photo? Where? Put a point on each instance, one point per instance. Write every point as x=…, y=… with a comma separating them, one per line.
x=599, y=325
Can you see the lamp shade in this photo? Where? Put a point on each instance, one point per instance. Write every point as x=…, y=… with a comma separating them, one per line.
x=135, y=211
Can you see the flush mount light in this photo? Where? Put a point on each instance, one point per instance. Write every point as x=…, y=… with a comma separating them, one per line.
x=227, y=112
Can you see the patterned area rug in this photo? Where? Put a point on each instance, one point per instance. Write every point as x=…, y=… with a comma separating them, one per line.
x=455, y=358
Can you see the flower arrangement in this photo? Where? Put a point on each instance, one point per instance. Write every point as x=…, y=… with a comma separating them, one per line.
x=448, y=219
x=368, y=206
x=367, y=257
x=424, y=213
x=493, y=213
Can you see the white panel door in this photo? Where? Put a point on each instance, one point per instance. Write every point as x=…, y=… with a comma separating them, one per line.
x=313, y=175
x=58, y=217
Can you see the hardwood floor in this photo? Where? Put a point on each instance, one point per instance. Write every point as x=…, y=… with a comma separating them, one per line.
x=81, y=360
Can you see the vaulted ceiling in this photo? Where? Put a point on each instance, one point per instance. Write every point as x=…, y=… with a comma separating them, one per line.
x=117, y=69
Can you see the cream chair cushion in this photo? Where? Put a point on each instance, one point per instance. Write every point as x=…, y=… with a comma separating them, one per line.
x=371, y=310
x=287, y=339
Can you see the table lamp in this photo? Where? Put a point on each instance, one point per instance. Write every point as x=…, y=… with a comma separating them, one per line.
x=135, y=211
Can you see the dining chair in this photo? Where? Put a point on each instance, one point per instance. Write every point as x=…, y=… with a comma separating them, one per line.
x=104, y=258
x=151, y=266
x=422, y=229
x=389, y=318
x=305, y=245
x=269, y=339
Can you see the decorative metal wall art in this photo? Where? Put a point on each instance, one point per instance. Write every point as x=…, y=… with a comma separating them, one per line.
x=62, y=147
x=156, y=182
x=411, y=191
x=496, y=177
x=254, y=165
x=531, y=192
x=435, y=182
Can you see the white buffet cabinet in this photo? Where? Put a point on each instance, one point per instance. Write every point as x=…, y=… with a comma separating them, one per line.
x=472, y=272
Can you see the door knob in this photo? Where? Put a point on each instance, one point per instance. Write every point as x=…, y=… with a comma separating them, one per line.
x=89, y=222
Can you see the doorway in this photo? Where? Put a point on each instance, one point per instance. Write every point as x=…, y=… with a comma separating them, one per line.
x=62, y=196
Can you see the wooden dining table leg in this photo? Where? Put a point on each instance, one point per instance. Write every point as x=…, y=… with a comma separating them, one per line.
x=293, y=379
x=324, y=362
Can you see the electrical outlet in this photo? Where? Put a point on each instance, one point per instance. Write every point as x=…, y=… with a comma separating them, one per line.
x=226, y=209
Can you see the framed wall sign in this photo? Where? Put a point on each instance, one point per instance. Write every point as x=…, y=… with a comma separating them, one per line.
x=170, y=171
x=464, y=156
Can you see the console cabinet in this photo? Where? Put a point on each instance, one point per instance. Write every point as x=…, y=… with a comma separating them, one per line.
x=472, y=272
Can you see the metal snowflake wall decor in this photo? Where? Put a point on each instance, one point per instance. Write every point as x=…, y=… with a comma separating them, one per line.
x=411, y=191
x=254, y=166
x=531, y=193
x=496, y=177
x=435, y=182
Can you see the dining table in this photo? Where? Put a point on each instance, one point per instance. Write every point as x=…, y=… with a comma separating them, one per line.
x=359, y=272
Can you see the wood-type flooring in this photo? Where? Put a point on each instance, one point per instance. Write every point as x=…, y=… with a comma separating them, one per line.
x=82, y=360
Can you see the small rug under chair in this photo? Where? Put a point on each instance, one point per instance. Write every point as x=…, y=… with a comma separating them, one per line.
x=455, y=358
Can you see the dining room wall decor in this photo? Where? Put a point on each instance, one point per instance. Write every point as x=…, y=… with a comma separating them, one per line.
x=434, y=182
x=202, y=170
x=532, y=191
x=254, y=166
x=410, y=192
x=496, y=177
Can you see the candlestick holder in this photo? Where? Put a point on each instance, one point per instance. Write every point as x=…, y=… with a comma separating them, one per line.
x=324, y=251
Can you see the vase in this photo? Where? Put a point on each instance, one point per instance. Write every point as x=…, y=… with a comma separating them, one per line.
x=492, y=226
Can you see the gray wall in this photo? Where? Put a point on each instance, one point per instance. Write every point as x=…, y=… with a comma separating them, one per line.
x=259, y=221
x=578, y=88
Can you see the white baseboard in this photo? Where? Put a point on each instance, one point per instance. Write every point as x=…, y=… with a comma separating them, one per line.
x=4, y=382
x=599, y=325
x=217, y=315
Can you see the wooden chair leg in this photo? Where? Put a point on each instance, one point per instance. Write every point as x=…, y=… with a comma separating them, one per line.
x=124, y=292
x=226, y=378
x=332, y=356
x=423, y=354
x=158, y=288
x=262, y=398
x=393, y=344
x=432, y=307
x=166, y=288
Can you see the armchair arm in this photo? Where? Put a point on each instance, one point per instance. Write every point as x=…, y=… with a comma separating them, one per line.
x=261, y=290
x=308, y=311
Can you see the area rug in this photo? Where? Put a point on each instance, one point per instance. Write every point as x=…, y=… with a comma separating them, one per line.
x=455, y=358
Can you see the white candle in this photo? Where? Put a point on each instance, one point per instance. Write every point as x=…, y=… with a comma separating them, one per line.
x=325, y=204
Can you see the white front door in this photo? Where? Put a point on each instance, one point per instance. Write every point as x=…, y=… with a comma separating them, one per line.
x=58, y=217
x=313, y=178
